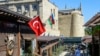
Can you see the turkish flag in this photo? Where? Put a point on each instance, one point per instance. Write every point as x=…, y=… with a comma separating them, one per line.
x=37, y=26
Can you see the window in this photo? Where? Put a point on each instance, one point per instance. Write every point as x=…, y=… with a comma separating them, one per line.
x=54, y=11
x=26, y=7
x=51, y=10
x=34, y=6
x=18, y=8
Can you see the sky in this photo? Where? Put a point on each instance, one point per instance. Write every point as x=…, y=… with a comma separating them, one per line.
x=89, y=7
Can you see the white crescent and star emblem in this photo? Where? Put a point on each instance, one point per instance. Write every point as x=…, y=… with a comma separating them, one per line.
x=35, y=24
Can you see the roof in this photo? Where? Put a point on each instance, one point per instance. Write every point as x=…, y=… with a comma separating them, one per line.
x=66, y=11
x=11, y=16
x=87, y=36
x=87, y=39
x=47, y=38
x=7, y=16
x=94, y=20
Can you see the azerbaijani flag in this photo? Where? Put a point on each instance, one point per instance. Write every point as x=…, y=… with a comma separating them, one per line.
x=50, y=22
x=51, y=19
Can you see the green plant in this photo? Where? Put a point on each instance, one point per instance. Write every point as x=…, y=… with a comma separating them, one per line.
x=58, y=51
x=88, y=31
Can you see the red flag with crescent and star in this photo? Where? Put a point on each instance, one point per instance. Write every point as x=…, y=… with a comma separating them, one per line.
x=37, y=26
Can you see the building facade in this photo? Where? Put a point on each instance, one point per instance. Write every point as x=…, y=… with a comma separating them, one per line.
x=71, y=23
x=31, y=8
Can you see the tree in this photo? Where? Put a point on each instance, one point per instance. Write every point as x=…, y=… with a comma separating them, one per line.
x=88, y=31
x=92, y=30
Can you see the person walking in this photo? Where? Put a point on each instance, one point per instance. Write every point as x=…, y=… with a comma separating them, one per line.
x=77, y=52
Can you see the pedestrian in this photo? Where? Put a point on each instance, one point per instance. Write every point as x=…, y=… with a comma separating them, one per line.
x=83, y=50
x=77, y=52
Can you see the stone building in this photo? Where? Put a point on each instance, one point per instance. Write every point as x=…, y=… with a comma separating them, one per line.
x=71, y=23
x=31, y=8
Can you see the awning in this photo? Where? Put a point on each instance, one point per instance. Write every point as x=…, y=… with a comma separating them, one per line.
x=87, y=39
x=94, y=20
x=11, y=16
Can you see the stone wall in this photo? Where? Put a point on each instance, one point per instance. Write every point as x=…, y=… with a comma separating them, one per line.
x=65, y=24
x=71, y=24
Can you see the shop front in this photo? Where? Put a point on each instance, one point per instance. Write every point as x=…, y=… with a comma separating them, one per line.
x=16, y=38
